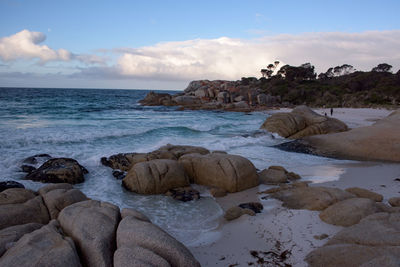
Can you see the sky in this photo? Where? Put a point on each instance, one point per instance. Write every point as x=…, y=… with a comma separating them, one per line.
x=166, y=44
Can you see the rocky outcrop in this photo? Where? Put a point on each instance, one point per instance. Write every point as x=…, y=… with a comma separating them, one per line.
x=140, y=243
x=92, y=225
x=59, y=170
x=301, y=122
x=311, y=198
x=374, y=241
x=156, y=99
x=46, y=246
x=230, y=172
x=376, y=142
x=155, y=177
x=124, y=161
x=349, y=211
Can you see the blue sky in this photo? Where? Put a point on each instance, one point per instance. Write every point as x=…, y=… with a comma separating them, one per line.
x=148, y=44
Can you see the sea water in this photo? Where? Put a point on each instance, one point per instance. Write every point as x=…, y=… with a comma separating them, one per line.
x=87, y=124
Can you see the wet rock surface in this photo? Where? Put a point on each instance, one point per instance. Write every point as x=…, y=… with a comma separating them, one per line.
x=59, y=170
x=10, y=184
x=184, y=194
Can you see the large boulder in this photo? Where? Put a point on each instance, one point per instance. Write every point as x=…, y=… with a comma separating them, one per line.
x=311, y=198
x=46, y=246
x=31, y=211
x=15, y=196
x=301, y=122
x=273, y=176
x=186, y=100
x=230, y=172
x=137, y=239
x=178, y=151
x=364, y=193
x=59, y=170
x=92, y=225
x=349, y=211
x=56, y=200
x=12, y=234
x=371, y=242
x=379, y=141
x=155, y=177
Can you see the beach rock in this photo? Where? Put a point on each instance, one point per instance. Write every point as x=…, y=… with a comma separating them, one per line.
x=15, y=196
x=236, y=211
x=257, y=207
x=218, y=192
x=349, y=211
x=364, y=193
x=10, y=184
x=230, y=172
x=92, y=225
x=56, y=200
x=376, y=142
x=154, y=99
x=311, y=198
x=301, y=122
x=133, y=233
x=183, y=194
x=279, y=168
x=47, y=188
x=12, y=234
x=272, y=176
x=31, y=211
x=46, y=246
x=241, y=105
x=293, y=176
x=134, y=213
x=374, y=239
x=59, y=170
x=136, y=256
x=155, y=177
x=394, y=201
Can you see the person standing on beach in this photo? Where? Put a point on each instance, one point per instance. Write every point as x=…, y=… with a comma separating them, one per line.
x=331, y=111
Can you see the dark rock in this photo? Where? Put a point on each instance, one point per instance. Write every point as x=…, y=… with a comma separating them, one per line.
x=119, y=174
x=27, y=168
x=59, y=170
x=298, y=146
x=10, y=184
x=257, y=207
x=183, y=194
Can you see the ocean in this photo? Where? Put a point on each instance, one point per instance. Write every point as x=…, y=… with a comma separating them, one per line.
x=87, y=124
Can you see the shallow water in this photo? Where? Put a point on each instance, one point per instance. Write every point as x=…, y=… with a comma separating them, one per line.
x=89, y=124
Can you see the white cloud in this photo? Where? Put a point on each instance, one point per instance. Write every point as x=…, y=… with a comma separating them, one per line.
x=227, y=58
x=26, y=45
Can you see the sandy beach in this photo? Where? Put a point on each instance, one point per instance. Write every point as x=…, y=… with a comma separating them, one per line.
x=279, y=235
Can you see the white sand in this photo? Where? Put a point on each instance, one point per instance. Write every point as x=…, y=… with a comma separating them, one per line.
x=294, y=230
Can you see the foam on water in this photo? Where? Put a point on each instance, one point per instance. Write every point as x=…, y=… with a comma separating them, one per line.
x=89, y=124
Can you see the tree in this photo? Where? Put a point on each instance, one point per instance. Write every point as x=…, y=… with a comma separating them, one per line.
x=337, y=71
x=292, y=73
x=269, y=70
x=383, y=67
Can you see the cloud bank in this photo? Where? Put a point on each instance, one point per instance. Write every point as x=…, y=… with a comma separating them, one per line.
x=221, y=58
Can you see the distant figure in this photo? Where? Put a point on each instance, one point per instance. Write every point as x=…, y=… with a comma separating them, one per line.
x=325, y=114
x=331, y=111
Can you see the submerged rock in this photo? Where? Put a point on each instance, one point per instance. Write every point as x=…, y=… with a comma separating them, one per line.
x=59, y=170
x=257, y=207
x=184, y=194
